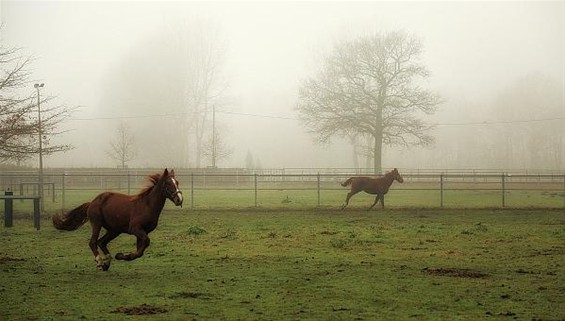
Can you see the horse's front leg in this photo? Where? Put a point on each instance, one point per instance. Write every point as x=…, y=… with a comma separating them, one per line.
x=142, y=243
x=375, y=202
x=103, y=245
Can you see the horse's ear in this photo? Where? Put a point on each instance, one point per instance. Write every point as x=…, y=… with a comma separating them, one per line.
x=166, y=172
x=172, y=172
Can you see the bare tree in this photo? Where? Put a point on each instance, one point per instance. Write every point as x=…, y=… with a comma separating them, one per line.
x=203, y=57
x=122, y=148
x=20, y=125
x=216, y=149
x=367, y=87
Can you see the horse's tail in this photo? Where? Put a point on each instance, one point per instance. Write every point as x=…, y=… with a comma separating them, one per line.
x=72, y=220
x=347, y=182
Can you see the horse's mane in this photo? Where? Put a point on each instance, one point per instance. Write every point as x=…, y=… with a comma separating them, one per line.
x=392, y=172
x=152, y=182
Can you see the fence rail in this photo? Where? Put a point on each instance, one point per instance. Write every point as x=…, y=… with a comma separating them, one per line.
x=217, y=189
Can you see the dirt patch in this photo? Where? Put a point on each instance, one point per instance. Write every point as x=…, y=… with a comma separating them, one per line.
x=186, y=295
x=143, y=309
x=7, y=259
x=454, y=272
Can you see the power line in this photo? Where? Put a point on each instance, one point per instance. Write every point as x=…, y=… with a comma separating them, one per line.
x=181, y=114
x=295, y=118
x=258, y=115
x=500, y=122
x=130, y=117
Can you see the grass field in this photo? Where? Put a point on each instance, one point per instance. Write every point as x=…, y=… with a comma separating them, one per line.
x=292, y=264
x=292, y=199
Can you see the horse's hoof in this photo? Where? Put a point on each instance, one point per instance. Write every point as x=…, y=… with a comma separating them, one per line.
x=104, y=267
x=120, y=256
x=102, y=262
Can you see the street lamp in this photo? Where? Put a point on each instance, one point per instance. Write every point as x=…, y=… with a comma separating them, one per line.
x=37, y=86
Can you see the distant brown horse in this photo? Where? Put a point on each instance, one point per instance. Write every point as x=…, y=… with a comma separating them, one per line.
x=118, y=213
x=378, y=186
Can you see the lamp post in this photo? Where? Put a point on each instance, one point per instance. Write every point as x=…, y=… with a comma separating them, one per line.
x=37, y=86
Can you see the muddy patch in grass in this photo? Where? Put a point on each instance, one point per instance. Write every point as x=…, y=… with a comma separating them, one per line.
x=143, y=309
x=188, y=295
x=455, y=272
x=6, y=259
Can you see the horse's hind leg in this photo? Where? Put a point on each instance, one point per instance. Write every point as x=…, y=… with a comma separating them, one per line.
x=349, y=195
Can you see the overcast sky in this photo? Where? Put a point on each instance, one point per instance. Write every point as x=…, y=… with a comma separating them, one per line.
x=473, y=49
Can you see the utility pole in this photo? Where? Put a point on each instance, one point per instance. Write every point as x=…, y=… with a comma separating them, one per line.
x=214, y=136
x=37, y=86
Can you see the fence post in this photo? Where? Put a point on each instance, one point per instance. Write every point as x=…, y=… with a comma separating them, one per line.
x=255, y=189
x=319, y=202
x=63, y=192
x=441, y=189
x=191, y=191
x=36, y=217
x=8, y=209
x=503, y=191
x=129, y=184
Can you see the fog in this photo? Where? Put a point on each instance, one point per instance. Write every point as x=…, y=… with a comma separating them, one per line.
x=482, y=56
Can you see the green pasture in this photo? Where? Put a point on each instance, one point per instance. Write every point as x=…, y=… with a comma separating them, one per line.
x=297, y=264
x=306, y=195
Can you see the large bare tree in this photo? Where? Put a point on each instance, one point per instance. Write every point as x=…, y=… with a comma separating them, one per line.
x=20, y=125
x=369, y=87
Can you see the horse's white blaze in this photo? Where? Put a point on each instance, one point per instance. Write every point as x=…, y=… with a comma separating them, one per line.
x=178, y=191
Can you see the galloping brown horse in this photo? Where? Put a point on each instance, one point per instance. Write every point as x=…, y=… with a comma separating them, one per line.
x=378, y=186
x=118, y=213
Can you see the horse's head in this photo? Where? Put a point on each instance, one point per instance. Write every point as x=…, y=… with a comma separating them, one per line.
x=171, y=187
x=396, y=176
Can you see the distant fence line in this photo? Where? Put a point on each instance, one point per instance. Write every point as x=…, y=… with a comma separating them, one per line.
x=207, y=188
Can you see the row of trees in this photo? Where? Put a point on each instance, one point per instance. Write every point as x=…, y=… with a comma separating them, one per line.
x=179, y=71
x=522, y=127
x=368, y=90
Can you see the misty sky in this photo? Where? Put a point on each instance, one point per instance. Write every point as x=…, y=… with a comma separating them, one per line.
x=472, y=49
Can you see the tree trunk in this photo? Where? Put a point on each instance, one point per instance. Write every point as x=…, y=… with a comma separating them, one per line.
x=378, y=135
x=377, y=152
